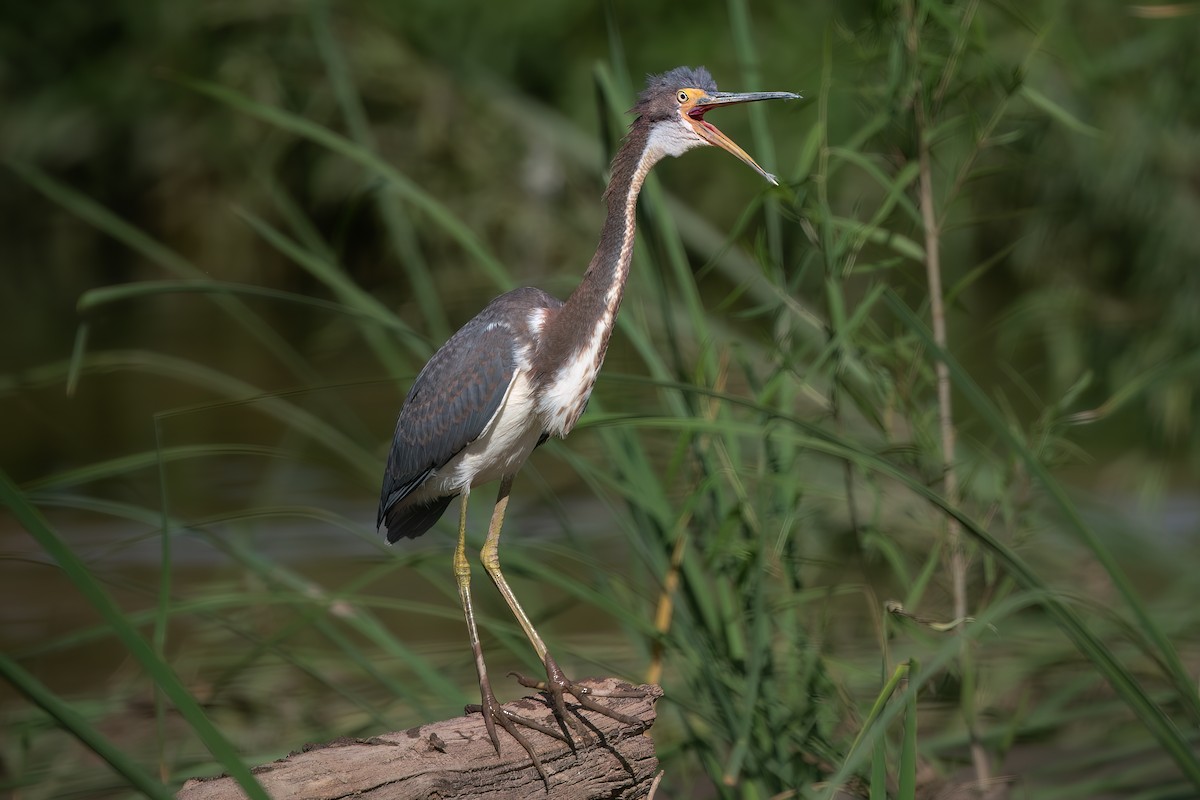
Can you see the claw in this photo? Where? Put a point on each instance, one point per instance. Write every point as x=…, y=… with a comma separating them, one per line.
x=495, y=714
x=557, y=685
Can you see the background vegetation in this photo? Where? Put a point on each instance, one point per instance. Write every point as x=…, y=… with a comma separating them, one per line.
x=867, y=532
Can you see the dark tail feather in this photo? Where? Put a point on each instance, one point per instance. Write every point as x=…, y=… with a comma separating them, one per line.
x=409, y=522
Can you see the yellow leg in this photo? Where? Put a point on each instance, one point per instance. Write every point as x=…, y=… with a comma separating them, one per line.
x=556, y=683
x=490, y=556
x=489, y=707
x=462, y=576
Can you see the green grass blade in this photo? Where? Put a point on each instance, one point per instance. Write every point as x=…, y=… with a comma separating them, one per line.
x=104, y=295
x=276, y=405
x=162, y=617
x=123, y=465
x=361, y=621
x=817, y=439
x=399, y=227
x=1148, y=627
x=878, y=789
x=883, y=712
x=74, y=723
x=1057, y=112
x=411, y=192
x=347, y=290
x=877, y=710
x=104, y=220
x=98, y=598
x=908, y=747
x=764, y=145
x=1122, y=680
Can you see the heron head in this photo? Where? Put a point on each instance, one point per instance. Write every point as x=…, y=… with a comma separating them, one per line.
x=675, y=103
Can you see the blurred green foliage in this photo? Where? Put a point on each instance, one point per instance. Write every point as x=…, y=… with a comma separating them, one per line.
x=329, y=189
x=1080, y=226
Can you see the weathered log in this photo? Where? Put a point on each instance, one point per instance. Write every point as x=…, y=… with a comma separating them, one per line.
x=455, y=758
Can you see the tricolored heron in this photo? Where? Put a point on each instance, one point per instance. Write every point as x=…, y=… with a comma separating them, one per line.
x=523, y=369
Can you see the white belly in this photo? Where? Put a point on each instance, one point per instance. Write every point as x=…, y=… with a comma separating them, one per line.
x=500, y=450
x=567, y=393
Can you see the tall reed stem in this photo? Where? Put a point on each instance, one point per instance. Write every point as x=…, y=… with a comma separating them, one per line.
x=956, y=549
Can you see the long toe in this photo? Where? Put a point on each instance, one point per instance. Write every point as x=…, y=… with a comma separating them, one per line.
x=495, y=714
x=557, y=685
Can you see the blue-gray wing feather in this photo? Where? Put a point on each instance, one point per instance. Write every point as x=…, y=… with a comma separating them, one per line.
x=449, y=406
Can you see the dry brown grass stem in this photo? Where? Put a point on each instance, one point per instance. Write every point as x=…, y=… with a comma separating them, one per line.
x=956, y=551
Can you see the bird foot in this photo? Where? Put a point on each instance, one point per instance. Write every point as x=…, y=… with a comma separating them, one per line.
x=557, y=685
x=495, y=714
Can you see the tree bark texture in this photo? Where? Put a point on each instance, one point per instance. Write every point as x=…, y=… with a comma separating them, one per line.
x=455, y=758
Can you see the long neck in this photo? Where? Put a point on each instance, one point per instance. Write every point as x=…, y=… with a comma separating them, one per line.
x=587, y=318
x=604, y=282
x=575, y=337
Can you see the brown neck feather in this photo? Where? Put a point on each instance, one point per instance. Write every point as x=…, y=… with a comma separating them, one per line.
x=598, y=296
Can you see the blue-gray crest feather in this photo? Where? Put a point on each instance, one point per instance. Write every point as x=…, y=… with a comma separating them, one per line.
x=678, y=78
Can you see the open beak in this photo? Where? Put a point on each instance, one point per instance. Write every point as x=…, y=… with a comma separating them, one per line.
x=713, y=135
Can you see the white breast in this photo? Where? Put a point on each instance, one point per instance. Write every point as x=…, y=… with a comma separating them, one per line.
x=567, y=392
x=500, y=450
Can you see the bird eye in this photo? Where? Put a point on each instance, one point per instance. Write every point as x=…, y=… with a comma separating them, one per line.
x=683, y=96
